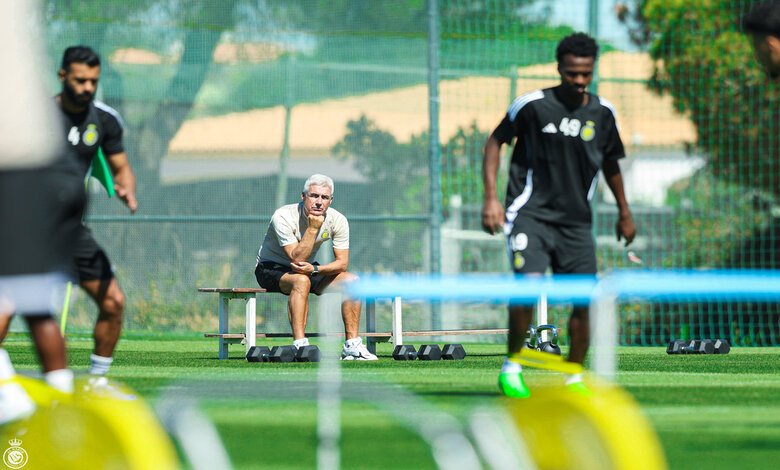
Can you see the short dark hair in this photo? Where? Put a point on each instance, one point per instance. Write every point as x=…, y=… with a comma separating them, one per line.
x=578, y=44
x=763, y=18
x=79, y=55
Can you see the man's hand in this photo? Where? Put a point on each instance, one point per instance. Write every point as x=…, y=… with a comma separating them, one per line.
x=127, y=196
x=315, y=221
x=302, y=267
x=625, y=228
x=492, y=216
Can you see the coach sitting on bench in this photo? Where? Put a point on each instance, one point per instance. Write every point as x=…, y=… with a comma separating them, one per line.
x=285, y=262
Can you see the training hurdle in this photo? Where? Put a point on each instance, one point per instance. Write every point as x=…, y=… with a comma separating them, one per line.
x=249, y=336
x=602, y=294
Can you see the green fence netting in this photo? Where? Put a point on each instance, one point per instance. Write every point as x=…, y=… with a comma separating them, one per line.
x=229, y=105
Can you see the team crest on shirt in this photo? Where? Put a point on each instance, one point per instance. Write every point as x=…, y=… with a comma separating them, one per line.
x=90, y=136
x=518, y=261
x=325, y=235
x=588, y=132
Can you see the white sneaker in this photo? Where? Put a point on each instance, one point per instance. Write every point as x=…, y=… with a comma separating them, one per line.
x=303, y=342
x=15, y=404
x=357, y=352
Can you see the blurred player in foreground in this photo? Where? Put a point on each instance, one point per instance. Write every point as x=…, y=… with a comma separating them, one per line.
x=286, y=261
x=41, y=199
x=89, y=125
x=762, y=24
x=563, y=137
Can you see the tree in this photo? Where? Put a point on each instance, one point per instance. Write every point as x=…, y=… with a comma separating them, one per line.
x=706, y=65
x=198, y=26
x=704, y=62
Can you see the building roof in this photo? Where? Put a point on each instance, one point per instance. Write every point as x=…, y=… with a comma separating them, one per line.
x=645, y=119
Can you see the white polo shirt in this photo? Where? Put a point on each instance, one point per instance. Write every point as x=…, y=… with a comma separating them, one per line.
x=288, y=225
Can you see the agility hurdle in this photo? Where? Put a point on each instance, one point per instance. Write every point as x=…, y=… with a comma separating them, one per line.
x=601, y=294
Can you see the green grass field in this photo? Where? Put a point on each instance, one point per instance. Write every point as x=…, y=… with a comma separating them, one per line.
x=714, y=412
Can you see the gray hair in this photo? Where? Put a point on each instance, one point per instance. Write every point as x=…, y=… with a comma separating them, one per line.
x=318, y=180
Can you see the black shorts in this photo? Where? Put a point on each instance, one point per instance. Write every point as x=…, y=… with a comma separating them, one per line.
x=268, y=275
x=90, y=261
x=40, y=214
x=535, y=245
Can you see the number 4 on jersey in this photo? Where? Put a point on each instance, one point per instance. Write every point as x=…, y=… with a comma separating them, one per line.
x=73, y=135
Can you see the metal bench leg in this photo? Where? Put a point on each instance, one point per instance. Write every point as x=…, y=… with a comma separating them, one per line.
x=250, y=327
x=398, y=329
x=223, y=325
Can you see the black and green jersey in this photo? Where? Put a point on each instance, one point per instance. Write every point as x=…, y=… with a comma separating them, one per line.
x=557, y=155
x=98, y=126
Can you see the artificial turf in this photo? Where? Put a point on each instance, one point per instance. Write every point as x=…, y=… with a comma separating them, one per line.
x=714, y=411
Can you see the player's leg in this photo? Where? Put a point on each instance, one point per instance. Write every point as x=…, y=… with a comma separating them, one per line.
x=110, y=300
x=5, y=324
x=269, y=276
x=579, y=333
x=528, y=247
x=50, y=344
x=14, y=402
x=297, y=287
x=353, y=348
x=576, y=254
x=510, y=379
x=96, y=277
x=350, y=308
x=35, y=248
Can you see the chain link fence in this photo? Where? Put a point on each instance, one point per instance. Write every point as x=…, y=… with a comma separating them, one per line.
x=230, y=105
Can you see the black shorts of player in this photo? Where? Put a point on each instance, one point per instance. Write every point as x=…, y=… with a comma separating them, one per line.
x=90, y=261
x=535, y=245
x=40, y=212
x=268, y=275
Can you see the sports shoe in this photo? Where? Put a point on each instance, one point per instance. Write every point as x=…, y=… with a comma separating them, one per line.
x=15, y=404
x=580, y=389
x=304, y=342
x=512, y=385
x=357, y=352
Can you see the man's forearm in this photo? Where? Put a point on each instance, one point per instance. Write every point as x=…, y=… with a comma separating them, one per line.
x=333, y=268
x=615, y=182
x=490, y=163
x=125, y=178
x=305, y=246
x=121, y=171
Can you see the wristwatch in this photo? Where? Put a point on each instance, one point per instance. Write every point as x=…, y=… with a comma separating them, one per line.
x=316, y=270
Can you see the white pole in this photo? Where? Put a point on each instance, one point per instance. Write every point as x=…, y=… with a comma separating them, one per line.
x=604, y=334
x=250, y=326
x=541, y=313
x=398, y=328
x=329, y=385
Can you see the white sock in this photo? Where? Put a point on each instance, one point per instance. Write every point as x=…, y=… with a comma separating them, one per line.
x=511, y=367
x=14, y=402
x=353, y=343
x=61, y=379
x=6, y=368
x=299, y=343
x=99, y=364
x=573, y=379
